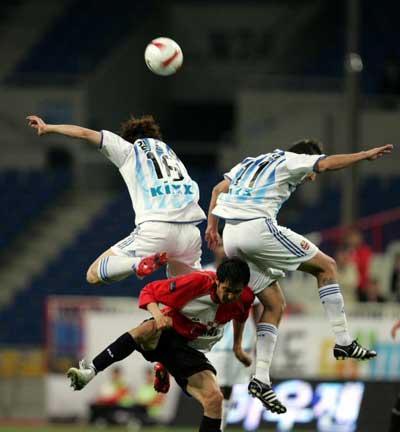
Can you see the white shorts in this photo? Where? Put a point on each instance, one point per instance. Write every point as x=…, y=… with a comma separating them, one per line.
x=268, y=248
x=182, y=242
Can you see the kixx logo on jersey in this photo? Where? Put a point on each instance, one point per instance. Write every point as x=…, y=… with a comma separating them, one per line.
x=305, y=245
x=175, y=189
x=241, y=191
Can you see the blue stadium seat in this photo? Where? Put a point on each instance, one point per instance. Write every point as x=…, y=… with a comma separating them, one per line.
x=79, y=40
x=25, y=195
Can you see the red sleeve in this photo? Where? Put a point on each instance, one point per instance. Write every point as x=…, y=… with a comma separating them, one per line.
x=176, y=292
x=246, y=299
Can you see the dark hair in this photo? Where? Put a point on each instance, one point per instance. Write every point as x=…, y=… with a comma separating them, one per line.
x=234, y=270
x=141, y=127
x=306, y=146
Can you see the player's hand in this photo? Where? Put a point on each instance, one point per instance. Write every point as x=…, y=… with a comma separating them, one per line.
x=243, y=357
x=212, y=237
x=163, y=322
x=37, y=123
x=395, y=327
x=378, y=152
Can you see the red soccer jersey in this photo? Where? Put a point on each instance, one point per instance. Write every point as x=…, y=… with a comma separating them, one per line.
x=192, y=303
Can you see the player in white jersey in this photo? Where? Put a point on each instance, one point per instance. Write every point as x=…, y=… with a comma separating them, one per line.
x=249, y=199
x=164, y=198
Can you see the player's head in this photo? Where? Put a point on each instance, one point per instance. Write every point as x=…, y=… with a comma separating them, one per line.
x=309, y=147
x=140, y=127
x=306, y=146
x=233, y=274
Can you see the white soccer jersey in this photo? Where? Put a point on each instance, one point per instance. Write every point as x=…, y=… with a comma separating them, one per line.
x=259, y=186
x=158, y=183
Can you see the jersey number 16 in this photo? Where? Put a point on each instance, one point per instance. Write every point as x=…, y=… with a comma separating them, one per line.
x=168, y=165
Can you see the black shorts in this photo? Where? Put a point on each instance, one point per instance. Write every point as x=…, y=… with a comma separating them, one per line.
x=181, y=360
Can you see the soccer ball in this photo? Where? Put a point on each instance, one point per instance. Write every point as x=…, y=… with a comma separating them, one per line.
x=163, y=56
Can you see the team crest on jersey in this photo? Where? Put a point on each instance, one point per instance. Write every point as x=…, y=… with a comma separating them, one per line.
x=172, y=286
x=305, y=245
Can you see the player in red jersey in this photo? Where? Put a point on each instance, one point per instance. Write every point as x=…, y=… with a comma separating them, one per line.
x=197, y=306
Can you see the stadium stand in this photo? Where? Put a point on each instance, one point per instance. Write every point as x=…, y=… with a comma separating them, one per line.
x=374, y=50
x=78, y=41
x=24, y=195
x=7, y=7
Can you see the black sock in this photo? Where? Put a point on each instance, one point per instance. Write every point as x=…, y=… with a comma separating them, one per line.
x=118, y=350
x=210, y=425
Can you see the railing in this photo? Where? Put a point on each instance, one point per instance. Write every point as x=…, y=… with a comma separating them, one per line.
x=379, y=229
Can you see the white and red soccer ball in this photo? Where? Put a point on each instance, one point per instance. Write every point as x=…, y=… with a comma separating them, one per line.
x=163, y=56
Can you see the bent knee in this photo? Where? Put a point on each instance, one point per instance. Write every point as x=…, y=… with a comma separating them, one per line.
x=213, y=399
x=145, y=332
x=274, y=305
x=330, y=267
x=92, y=276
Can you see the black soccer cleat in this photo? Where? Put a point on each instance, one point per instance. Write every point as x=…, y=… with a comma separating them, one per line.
x=266, y=395
x=354, y=350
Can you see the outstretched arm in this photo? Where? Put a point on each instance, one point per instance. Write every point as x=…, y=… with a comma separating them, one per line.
x=212, y=223
x=337, y=162
x=42, y=128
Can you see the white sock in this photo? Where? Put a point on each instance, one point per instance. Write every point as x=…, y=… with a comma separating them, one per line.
x=332, y=301
x=226, y=406
x=115, y=268
x=267, y=335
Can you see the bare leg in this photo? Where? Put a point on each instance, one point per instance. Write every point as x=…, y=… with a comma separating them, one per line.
x=226, y=405
x=146, y=334
x=323, y=267
x=177, y=268
x=203, y=386
x=273, y=300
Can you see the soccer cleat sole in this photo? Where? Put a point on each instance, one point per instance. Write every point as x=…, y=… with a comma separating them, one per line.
x=342, y=354
x=274, y=408
x=353, y=358
x=76, y=381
